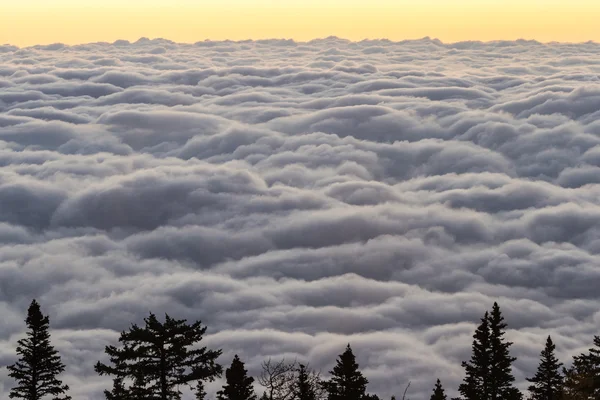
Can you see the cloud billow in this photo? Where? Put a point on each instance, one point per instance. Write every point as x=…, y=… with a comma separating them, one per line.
x=299, y=196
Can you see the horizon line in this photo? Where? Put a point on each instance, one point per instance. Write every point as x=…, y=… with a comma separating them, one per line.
x=143, y=39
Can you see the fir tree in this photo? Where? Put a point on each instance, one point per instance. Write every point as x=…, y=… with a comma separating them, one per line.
x=582, y=379
x=548, y=381
x=489, y=372
x=304, y=386
x=475, y=385
x=592, y=360
x=39, y=363
x=238, y=385
x=438, y=392
x=347, y=382
x=501, y=382
x=157, y=358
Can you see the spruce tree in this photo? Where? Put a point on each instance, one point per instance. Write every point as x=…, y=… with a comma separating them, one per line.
x=582, y=379
x=157, y=359
x=548, y=381
x=39, y=364
x=501, y=382
x=347, y=382
x=592, y=359
x=438, y=392
x=489, y=372
x=304, y=386
x=578, y=379
x=238, y=385
x=475, y=385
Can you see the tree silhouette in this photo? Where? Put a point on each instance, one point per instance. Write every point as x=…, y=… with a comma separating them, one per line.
x=304, y=385
x=582, y=379
x=347, y=382
x=501, y=377
x=277, y=377
x=39, y=363
x=157, y=358
x=547, y=381
x=475, y=385
x=488, y=375
x=438, y=392
x=238, y=384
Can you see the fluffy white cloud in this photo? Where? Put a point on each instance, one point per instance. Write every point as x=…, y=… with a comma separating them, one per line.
x=299, y=196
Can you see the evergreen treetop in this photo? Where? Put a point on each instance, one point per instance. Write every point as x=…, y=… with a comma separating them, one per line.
x=303, y=388
x=547, y=383
x=488, y=375
x=159, y=357
x=475, y=385
x=39, y=364
x=438, y=392
x=238, y=385
x=347, y=382
x=501, y=377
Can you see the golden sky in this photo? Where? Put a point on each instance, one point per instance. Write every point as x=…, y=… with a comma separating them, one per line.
x=29, y=22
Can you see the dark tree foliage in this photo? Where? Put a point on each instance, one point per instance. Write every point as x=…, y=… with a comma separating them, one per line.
x=592, y=359
x=438, y=392
x=238, y=385
x=304, y=386
x=582, y=379
x=369, y=396
x=39, y=364
x=547, y=382
x=347, y=382
x=577, y=384
x=501, y=377
x=157, y=359
x=475, y=385
x=488, y=375
x=200, y=391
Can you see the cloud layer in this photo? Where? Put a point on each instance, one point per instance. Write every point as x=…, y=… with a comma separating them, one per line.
x=299, y=196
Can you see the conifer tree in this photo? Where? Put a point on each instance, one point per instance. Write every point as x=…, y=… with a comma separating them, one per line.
x=548, y=381
x=489, y=372
x=592, y=360
x=157, y=358
x=577, y=383
x=238, y=385
x=304, y=386
x=39, y=364
x=475, y=385
x=347, y=382
x=438, y=392
x=501, y=382
x=582, y=379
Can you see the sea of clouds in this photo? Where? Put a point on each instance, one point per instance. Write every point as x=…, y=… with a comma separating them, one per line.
x=299, y=196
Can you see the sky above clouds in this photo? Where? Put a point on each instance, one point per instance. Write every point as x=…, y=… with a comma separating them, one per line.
x=31, y=22
x=297, y=196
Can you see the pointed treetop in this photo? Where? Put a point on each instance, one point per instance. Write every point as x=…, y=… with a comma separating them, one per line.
x=547, y=383
x=35, y=316
x=438, y=392
x=347, y=382
x=39, y=364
